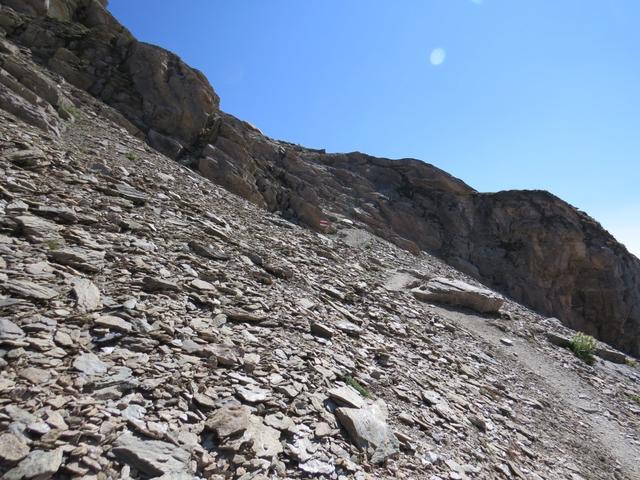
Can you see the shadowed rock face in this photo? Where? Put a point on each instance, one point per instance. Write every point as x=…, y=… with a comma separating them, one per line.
x=530, y=245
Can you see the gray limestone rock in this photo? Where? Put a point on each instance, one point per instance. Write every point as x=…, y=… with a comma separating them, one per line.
x=38, y=465
x=459, y=294
x=153, y=457
x=368, y=428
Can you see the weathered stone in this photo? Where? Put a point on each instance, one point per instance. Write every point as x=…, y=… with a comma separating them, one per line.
x=611, y=355
x=9, y=330
x=367, y=426
x=265, y=441
x=228, y=421
x=151, y=284
x=459, y=294
x=89, y=364
x=27, y=289
x=87, y=295
x=37, y=229
x=38, y=465
x=321, y=330
x=207, y=251
x=558, y=340
x=113, y=323
x=242, y=316
x=253, y=394
x=347, y=396
x=36, y=376
x=12, y=449
x=151, y=457
x=79, y=258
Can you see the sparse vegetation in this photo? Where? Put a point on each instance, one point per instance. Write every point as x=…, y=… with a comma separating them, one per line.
x=352, y=382
x=634, y=397
x=133, y=156
x=631, y=362
x=53, y=244
x=584, y=347
x=69, y=111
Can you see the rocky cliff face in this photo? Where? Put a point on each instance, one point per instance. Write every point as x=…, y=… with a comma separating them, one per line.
x=531, y=246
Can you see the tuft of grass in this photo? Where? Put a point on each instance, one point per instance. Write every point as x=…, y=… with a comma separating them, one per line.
x=584, y=347
x=634, y=397
x=53, y=244
x=352, y=382
x=133, y=156
x=631, y=362
x=69, y=111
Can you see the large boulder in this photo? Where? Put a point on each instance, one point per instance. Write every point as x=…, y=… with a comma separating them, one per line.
x=368, y=428
x=151, y=457
x=458, y=294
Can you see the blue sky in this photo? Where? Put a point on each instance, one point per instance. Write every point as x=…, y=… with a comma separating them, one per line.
x=504, y=94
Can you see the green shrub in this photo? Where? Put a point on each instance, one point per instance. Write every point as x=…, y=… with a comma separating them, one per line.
x=583, y=346
x=53, y=244
x=352, y=382
x=133, y=156
x=634, y=397
x=631, y=362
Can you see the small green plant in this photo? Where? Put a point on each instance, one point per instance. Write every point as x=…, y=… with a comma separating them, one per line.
x=634, y=397
x=631, y=362
x=133, y=156
x=583, y=346
x=69, y=111
x=353, y=383
x=53, y=244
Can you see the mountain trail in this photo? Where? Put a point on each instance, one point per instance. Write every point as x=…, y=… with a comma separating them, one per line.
x=570, y=392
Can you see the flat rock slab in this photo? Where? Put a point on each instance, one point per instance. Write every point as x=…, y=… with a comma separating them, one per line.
x=152, y=457
x=113, y=323
x=346, y=396
x=152, y=284
x=27, y=289
x=12, y=449
x=265, y=440
x=87, y=295
x=207, y=251
x=368, y=428
x=82, y=259
x=37, y=229
x=458, y=294
x=9, y=330
x=89, y=364
x=244, y=316
x=558, y=340
x=234, y=425
x=611, y=355
x=125, y=190
x=36, y=376
x=229, y=420
x=39, y=465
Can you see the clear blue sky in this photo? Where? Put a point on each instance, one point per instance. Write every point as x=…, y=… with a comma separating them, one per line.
x=505, y=94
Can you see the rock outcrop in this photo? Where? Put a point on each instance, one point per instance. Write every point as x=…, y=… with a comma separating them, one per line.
x=458, y=294
x=529, y=245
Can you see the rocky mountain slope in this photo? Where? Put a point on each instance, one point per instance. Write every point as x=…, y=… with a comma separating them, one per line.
x=155, y=325
x=531, y=246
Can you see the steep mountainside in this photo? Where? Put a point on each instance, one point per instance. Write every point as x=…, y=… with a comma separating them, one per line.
x=531, y=246
x=155, y=325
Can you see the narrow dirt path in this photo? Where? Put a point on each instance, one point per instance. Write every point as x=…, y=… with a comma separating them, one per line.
x=573, y=392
